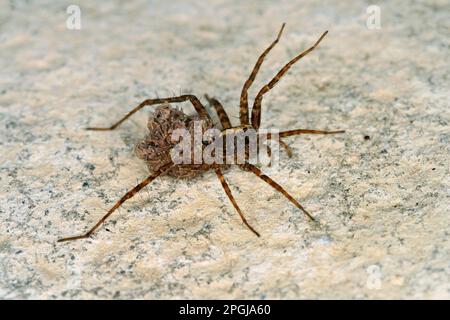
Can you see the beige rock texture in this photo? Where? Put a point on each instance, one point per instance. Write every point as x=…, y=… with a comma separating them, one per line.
x=382, y=201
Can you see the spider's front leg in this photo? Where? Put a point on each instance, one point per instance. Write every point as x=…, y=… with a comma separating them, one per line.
x=243, y=112
x=276, y=186
x=256, y=111
x=296, y=132
x=201, y=110
x=307, y=131
x=223, y=116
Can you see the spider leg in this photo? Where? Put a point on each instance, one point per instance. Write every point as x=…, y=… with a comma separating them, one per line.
x=233, y=201
x=256, y=111
x=276, y=186
x=299, y=132
x=187, y=97
x=243, y=114
x=223, y=116
x=284, y=145
x=127, y=196
x=269, y=154
x=286, y=148
x=306, y=131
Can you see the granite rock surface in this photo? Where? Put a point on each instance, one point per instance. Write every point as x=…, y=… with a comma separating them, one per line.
x=380, y=191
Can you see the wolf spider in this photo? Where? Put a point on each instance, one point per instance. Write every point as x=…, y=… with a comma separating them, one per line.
x=155, y=149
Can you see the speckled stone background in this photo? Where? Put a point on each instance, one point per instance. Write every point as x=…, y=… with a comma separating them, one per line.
x=382, y=202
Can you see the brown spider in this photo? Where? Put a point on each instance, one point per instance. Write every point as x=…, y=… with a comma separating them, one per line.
x=156, y=148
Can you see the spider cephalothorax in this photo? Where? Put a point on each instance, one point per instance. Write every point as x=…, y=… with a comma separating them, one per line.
x=156, y=148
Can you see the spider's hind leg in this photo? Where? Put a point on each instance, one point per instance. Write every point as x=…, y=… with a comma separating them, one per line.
x=187, y=97
x=124, y=198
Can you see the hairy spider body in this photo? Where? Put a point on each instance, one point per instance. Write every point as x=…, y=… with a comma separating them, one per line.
x=157, y=146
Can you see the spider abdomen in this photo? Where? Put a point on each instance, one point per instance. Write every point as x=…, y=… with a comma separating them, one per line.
x=156, y=147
